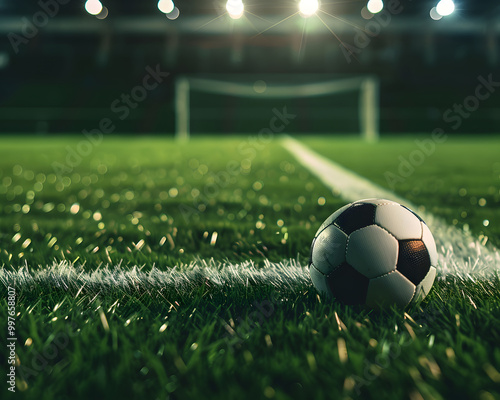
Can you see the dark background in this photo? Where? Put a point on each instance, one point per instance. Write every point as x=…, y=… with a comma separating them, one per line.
x=65, y=78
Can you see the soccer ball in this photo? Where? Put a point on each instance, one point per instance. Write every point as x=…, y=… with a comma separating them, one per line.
x=374, y=252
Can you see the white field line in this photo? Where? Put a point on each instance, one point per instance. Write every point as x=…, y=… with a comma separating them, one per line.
x=180, y=280
x=459, y=252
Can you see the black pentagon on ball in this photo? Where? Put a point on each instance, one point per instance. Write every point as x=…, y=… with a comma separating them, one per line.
x=413, y=260
x=356, y=217
x=348, y=285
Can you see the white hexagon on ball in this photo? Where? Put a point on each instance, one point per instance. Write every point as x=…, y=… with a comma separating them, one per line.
x=329, y=249
x=424, y=287
x=372, y=251
x=430, y=244
x=319, y=281
x=401, y=222
x=392, y=288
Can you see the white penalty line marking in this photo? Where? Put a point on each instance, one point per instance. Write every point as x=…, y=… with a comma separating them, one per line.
x=459, y=252
x=179, y=280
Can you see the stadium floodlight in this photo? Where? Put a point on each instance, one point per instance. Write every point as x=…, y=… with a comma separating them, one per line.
x=93, y=7
x=435, y=15
x=166, y=6
x=235, y=8
x=308, y=8
x=445, y=7
x=375, y=6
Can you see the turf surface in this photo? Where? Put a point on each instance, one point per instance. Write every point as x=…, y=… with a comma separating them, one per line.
x=172, y=197
x=152, y=202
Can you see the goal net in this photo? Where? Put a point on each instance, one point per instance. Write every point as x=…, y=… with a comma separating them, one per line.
x=246, y=104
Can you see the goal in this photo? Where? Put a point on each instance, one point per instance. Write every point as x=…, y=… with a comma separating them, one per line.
x=363, y=112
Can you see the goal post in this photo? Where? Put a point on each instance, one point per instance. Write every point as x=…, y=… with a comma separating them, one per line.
x=368, y=100
x=369, y=109
x=182, y=104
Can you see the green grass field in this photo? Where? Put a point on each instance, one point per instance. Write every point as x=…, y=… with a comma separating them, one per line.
x=147, y=205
